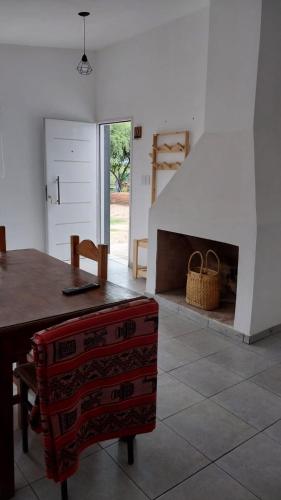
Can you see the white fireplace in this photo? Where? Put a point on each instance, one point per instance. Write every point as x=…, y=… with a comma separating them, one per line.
x=229, y=188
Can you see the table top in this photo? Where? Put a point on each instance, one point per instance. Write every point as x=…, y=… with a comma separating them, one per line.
x=31, y=284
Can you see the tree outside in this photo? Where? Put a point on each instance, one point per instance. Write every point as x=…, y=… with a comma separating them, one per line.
x=120, y=141
x=120, y=138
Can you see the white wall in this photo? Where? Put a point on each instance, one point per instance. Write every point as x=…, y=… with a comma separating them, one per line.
x=213, y=195
x=232, y=64
x=34, y=83
x=158, y=79
x=267, y=290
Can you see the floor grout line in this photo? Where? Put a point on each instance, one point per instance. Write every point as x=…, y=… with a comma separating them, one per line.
x=116, y=462
x=183, y=481
x=226, y=453
x=234, y=479
x=209, y=398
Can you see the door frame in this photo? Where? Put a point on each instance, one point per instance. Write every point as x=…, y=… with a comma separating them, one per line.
x=110, y=122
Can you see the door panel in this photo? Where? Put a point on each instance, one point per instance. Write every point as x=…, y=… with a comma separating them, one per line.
x=83, y=229
x=69, y=171
x=75, y=192
x=63, y=251
x=79, y=213
x=71, y=150
x=71, y=180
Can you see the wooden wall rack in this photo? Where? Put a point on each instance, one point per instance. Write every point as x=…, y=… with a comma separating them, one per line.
x=180, y=144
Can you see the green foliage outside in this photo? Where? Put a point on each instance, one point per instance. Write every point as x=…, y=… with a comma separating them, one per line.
x=117, y=220
x=120, y=138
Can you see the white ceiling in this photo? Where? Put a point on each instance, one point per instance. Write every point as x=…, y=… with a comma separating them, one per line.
x=54, y=23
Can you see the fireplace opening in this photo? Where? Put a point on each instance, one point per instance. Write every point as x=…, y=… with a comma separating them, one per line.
x=173, y=252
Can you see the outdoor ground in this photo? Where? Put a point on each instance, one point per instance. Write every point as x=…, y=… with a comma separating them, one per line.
x=119, y=226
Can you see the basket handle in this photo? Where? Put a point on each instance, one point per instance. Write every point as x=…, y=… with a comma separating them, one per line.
x=191, y=257
x=214, y=253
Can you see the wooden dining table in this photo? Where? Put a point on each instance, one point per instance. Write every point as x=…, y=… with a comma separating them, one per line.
x=31, y=299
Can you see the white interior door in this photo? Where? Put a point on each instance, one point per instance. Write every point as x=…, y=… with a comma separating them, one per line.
x=71, y=184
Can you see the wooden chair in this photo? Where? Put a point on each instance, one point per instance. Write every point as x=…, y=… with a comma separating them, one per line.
x=2, y=239
x=88, y=249
x=97, y=382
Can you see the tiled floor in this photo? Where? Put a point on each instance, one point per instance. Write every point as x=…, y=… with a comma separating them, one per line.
x=219, y=427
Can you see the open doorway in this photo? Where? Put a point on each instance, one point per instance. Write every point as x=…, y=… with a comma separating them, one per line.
x=115, y=161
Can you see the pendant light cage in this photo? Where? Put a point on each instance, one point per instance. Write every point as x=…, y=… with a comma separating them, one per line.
x=84, y=68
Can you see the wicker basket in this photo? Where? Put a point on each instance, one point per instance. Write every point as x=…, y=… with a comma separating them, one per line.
x=203, y=284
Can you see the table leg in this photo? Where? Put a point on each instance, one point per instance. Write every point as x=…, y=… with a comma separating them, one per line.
x=7, y=478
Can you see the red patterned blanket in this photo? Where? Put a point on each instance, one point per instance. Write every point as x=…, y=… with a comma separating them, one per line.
x=97, y=378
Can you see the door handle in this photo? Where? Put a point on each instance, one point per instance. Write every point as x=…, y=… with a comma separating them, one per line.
x=58, y=186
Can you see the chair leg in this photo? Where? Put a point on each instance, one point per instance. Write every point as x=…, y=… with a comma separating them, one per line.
x=64, y=493
x=21, y=360
x=24, y=415
x=130, y=445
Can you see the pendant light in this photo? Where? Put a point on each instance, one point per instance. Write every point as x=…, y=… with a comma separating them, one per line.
x=84, y=67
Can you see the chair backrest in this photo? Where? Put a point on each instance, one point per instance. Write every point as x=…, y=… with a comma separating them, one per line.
x=2, y=239
x=88, y=249
x=97, y=378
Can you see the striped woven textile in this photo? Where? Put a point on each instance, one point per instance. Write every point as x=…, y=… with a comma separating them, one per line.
x=97, y=378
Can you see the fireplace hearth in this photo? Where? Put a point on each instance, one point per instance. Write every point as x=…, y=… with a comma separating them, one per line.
x=173, y=252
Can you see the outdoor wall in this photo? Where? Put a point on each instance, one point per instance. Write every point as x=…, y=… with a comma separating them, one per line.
x=159, y=80
x=34, y=83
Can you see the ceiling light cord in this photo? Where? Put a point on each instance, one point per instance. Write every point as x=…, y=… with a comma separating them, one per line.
x=84, y=36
